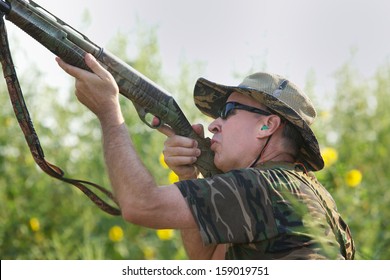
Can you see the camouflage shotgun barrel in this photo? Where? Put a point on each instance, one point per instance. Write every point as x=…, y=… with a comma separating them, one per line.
x=71, y=46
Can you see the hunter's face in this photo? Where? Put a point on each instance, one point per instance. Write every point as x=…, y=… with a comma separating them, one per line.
x=235, y=140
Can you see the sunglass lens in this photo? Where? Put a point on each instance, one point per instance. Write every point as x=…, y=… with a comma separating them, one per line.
x=226, y=110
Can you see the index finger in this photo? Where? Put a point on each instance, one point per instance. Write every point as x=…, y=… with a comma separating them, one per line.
x=166, y=130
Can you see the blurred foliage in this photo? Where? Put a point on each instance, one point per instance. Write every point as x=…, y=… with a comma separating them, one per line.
x=355, y=136
x=42, y=218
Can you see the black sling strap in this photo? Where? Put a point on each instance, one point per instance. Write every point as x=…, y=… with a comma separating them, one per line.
x=31, y=136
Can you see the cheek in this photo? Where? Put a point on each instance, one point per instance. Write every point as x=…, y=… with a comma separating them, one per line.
x=239, y=135
x=236, y=141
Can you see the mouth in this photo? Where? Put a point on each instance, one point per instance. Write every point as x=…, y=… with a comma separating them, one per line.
x=213, y=142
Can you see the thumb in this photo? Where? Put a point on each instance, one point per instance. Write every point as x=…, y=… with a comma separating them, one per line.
x=198, y=128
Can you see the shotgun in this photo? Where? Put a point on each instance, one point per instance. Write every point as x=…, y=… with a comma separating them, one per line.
x=71, y=46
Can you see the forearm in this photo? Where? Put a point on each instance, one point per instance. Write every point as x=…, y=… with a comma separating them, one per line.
x=130, y=180
x=141, y=201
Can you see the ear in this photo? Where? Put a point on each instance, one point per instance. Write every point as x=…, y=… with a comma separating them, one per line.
x=267, y=126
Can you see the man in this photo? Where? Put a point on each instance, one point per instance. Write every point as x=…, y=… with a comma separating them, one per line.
x=265, y=205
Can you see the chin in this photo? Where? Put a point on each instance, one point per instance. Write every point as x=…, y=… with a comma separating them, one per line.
x=221, y=166
x=218, y=164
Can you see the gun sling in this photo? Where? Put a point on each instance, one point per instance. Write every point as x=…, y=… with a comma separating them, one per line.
x=25, y=122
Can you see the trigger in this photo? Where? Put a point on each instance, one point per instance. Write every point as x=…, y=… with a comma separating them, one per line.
x=148, y=118
x=156, y=122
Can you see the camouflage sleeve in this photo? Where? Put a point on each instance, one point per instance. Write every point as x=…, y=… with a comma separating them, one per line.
x=227, y=209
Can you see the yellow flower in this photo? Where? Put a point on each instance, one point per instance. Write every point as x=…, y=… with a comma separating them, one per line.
x=7, y=122
x=34, y=224
x=173, y=178
x=162, y=161
x=324, y=114
x=38, y=236
x=353, y=178
x=165, y=234
x=149, y=252
x=329, y=155
x=115, y=234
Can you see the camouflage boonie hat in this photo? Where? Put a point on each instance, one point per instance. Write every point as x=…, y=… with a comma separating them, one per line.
x=279, y=95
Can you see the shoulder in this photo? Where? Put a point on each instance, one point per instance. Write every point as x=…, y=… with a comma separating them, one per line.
x=233, y=177
x=247, y=182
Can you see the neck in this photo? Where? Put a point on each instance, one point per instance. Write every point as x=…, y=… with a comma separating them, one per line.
x=270, y=152
x=283, y=156
x=261, y=152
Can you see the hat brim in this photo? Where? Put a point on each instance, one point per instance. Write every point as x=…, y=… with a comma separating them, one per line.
x=210, y=97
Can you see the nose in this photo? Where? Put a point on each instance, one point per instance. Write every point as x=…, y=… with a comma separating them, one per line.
x=215, y=126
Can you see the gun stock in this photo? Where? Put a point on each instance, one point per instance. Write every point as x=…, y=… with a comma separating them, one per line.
x=71, y=46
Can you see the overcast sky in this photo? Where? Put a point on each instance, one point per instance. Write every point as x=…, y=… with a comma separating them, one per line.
x=289, y=37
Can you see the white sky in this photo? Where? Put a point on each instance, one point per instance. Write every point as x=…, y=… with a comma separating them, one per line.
x=289, y=37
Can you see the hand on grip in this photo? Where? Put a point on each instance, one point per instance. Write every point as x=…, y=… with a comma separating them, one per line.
x=181, y=153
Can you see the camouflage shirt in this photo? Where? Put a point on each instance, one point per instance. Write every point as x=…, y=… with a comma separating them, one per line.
x=273, y=211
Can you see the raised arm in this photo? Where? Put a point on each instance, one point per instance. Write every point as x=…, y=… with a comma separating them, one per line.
x=140, y=200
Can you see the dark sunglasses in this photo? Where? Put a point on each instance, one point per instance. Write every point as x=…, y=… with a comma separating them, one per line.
x=228, y=108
